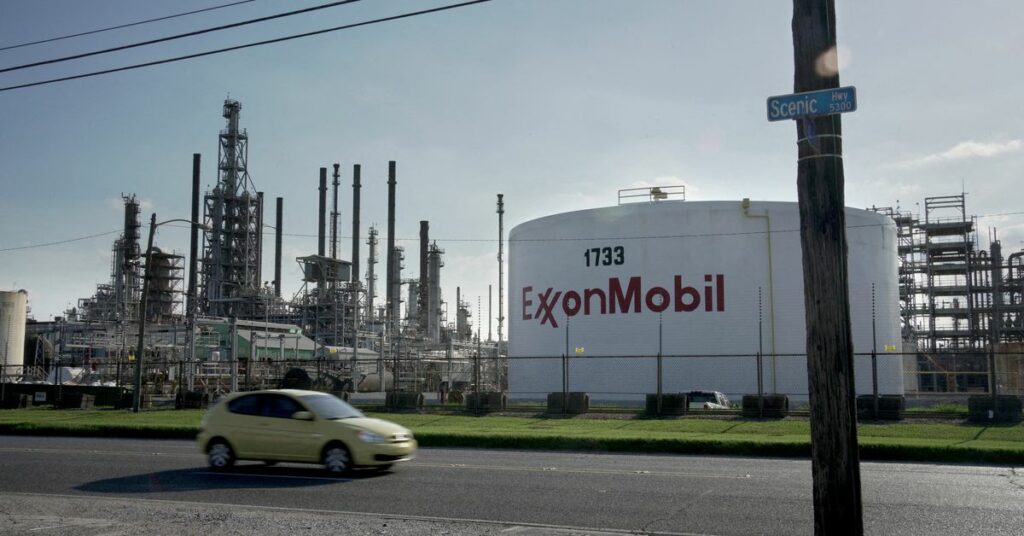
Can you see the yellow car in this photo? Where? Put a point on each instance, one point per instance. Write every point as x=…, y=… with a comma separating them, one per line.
x=289, y=425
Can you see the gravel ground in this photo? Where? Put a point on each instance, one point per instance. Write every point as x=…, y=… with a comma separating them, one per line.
x=22, y=514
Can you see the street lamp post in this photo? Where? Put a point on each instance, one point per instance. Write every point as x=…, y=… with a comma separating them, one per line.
x=140, y=346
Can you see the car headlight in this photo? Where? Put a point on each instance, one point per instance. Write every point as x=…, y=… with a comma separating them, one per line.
x=369, y=437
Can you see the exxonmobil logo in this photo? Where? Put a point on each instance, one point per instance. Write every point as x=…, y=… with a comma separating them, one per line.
x=629, y=298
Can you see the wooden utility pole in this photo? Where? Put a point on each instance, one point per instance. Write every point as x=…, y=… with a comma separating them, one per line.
x=834, y=457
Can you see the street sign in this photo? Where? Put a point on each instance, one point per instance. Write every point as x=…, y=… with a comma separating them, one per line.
x=812, y=103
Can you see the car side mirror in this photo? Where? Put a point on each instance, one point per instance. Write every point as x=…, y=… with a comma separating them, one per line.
x=302, y=415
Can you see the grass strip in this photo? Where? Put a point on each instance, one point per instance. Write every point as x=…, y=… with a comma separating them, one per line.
x=931, y=442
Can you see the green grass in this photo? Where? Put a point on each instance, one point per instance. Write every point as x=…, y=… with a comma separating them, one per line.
x=940, y=408
x=787, y=437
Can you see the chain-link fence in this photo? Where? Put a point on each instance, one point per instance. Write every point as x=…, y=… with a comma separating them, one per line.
x=618, y=380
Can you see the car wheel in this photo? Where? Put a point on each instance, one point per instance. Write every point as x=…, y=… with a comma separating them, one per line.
x=337, y=459
x=219, y=455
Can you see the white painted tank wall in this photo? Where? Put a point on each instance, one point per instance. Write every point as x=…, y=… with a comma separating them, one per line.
x=13, y=313
x=693, y=240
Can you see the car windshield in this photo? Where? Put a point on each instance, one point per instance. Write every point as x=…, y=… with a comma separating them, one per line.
x=330, y=407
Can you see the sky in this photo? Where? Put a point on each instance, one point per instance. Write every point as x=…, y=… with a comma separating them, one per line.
x=557, y=104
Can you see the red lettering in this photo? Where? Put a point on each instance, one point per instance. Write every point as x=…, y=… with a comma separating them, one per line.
x=663, y=304
x=707, y=293
x=628, y=299
x=632, y=294
x=575, y=297
x=591, y=292
x=546, y=308
x=682, y=291
x=720, y=283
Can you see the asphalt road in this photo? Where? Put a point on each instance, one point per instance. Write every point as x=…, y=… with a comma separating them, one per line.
x=93, y=486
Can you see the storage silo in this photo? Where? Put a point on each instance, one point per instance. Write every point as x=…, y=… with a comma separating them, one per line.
x=709, y=284
x=13, y=315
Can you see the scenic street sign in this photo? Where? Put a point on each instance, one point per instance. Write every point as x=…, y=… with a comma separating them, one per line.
x=812, y=103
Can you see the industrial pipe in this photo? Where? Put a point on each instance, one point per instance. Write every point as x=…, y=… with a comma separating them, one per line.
x=355, y=222
x=277, y=246
x=424, y=288
x=193, y=250
x=322, y=225
x=391, y=297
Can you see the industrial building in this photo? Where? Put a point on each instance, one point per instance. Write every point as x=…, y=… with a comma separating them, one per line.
x=962, y=307
x=215, y=326
x=709, y=286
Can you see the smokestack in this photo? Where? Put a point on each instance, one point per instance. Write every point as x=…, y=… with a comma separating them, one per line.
x=392, y=320
x=322, y=226
x=259, y=239
x=277, y=246
x=193, y=250
x=334, y=214
x=355, y=222
x=501, y=265
x=424, y=307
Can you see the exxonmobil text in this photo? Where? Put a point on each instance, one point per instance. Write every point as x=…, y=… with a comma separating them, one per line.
x=618, y=298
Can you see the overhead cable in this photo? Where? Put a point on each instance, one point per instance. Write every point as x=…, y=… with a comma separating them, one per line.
x=564, y=239
x=119, y=26
x=69, y=240
x=178, y=36
x=239, y=47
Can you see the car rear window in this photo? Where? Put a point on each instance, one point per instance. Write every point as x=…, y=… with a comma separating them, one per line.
x=245, y=405
x=280, y=406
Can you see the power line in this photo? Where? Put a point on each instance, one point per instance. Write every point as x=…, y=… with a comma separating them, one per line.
x=69, y=240
x=178, y=36
x=239, y=47
x=487, y=240
x=119, y=26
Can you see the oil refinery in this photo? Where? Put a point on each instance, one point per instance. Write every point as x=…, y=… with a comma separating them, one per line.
x=699, y=294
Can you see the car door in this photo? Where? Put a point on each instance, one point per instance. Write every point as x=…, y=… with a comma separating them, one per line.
x=289, y=438
x=246, y=427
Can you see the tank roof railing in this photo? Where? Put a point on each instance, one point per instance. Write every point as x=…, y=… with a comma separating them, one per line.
x=652, y=193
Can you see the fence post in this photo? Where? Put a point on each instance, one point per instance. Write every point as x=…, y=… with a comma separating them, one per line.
x=565, y=371
x=233, y=352
x=760, y=349
x=660, y=372
x=874, y=356
x=992, y=379
x=380, y=366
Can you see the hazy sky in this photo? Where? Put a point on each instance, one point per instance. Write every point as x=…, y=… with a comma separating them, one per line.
x=555, y=103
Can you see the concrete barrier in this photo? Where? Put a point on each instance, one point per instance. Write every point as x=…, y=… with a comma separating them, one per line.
x=487, y=401
x=774, y=406
x=671, y=404
x=890, y=407
x=403, y=400
x=578, y=403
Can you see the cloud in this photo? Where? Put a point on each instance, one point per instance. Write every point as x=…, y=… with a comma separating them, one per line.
x=965, y=150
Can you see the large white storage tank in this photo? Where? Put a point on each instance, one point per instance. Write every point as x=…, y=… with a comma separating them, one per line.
x=13, y=314
x=710, y=284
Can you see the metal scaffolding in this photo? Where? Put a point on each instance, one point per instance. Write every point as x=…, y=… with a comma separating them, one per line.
x=117, y=301
x=233, y=216
x=958, y=302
